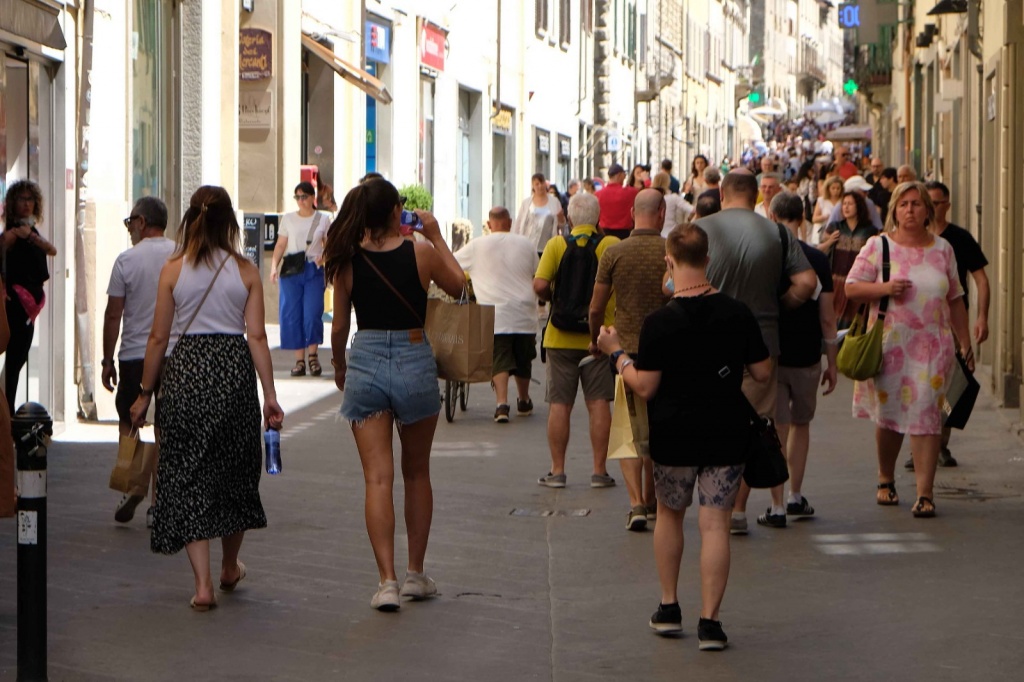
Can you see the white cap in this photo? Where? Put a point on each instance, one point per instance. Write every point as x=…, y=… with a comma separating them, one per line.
x=857, y=183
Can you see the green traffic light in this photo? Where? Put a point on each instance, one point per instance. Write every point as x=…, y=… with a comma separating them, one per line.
x=754, y=97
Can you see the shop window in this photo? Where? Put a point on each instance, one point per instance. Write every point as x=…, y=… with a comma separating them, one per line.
x=426, y=160
x=564, y=22
x=542, y=152
x=151, y=55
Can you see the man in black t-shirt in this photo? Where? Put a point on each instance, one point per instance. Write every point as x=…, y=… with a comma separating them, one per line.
x=969, y=259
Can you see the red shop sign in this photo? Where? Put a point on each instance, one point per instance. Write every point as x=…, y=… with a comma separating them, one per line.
x=431, y=46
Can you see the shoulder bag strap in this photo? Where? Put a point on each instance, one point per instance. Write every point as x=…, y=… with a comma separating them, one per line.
x=883, y=304
x=205, y=294
x=391, y=286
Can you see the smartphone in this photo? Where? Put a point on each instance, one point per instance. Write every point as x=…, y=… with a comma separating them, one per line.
x=411, y=220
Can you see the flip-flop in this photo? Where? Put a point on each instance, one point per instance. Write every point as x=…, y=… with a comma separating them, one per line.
x=920, y=511
x=202, y=607
x=229, y=587
x=890, y=498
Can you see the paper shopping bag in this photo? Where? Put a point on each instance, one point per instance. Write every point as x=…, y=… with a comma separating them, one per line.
x=142, y=470
x=630, y=434
x=131, y=462
x=462, y=339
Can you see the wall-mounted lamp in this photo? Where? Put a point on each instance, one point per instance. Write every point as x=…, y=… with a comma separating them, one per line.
x=248, y=5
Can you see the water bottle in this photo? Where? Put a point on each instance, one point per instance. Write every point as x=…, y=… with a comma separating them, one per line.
x=272, y=439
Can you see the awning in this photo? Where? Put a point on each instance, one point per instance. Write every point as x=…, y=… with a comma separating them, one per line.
x=353, y=74
x=33, y=22
x=849, y=133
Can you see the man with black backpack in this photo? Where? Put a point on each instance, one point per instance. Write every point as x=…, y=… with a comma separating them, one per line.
x=566, y=276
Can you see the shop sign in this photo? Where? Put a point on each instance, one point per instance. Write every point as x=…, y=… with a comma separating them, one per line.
x=432, y=41
x=256, y=109
x=543, y=142
x=255, y=54
x=378, y=43
x=501, y=121
x=564, y=147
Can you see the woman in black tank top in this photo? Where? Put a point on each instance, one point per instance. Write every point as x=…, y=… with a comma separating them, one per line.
x=390, y=374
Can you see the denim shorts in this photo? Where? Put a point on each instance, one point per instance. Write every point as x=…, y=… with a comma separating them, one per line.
x=391, y=371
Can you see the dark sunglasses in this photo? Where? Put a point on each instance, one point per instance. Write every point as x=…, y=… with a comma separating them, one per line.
x=300, y=197
x=402, y=200
x=128, y=221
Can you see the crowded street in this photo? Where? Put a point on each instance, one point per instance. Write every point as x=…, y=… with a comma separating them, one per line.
x=536, y=583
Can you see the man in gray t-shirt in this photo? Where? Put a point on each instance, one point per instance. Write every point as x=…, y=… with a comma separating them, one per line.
x=746, y=263
x=131, y=302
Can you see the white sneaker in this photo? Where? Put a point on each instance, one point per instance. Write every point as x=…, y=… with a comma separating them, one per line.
x=386, y=597
x=418, y=586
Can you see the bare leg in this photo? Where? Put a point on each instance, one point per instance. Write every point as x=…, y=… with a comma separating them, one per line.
x=600, y=429
x=796, y=455
x=784, y=431
x=558, y=435
x=926, y=457
x=888, y=444
x=313, y=349
x=417, y=440
x=230, y=544
x=523, y=387
x=199, y=556
x=668, y=550
x=299, y=357
x=648, y=493
x=741, y=498
x=633, y=475
x=373, y=440
x=714, y=559
x=500, y=382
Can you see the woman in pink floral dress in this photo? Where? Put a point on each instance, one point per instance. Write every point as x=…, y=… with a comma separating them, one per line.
x=925, y=309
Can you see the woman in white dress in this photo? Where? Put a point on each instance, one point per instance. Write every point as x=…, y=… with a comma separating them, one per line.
x=540, y=216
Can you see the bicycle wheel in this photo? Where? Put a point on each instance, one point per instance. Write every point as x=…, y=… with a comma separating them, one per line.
x=463, y=395
x=449, y=400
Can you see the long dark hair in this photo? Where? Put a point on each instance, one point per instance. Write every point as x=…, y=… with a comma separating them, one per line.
x=209, y=224
x=863, y=215
x=693, y=165
x=366, y=208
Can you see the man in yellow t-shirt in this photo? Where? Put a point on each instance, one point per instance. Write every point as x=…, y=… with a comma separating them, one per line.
x=566, y=350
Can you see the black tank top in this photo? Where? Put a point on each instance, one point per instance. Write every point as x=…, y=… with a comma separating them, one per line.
x=376, y=305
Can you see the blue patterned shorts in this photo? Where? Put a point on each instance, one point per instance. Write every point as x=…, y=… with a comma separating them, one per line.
x=717, y=487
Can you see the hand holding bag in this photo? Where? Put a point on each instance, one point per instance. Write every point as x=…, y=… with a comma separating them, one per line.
x=961, y=394
x=134, y=466
x=623, y=441
x=860, y=356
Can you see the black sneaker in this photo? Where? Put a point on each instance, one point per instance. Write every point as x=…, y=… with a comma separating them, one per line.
x=126, y=508
x=501, y=414
x=524, y=408
x=801, y=509
x=667, y=620
x=772, y=520
x=710, y=635
x=946, y=458
x=909, y=464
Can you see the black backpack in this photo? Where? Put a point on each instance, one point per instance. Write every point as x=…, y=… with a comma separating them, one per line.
x=574, y=285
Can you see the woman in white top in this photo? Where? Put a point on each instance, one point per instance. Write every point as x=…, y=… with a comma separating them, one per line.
x=695, y=184
x=677, y=209
x=209, y=470
x=832, y=192
x=299, y=255
x=540, y=217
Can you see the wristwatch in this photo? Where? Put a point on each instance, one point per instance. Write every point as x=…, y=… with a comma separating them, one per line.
x=614, y=358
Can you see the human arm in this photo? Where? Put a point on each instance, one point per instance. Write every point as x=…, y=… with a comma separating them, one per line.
x=111, y=327
x=5, y=327
x=37, y=240
x=819, y=214
x=598, y=306
x=275, y=260
x=827, y=317
x=861, y=286
x=256, y=336
x=760, y=371
x=547, y=269
x=961, y=327
x=443, y=268
x=801, y=287
x=829, y=237
x=644, y=383
x=984, y=296
x=159, y=337
x=340, y=324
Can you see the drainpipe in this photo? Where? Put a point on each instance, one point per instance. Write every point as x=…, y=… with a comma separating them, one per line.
x=497, y=85
x=83, y=325
x=974, y=46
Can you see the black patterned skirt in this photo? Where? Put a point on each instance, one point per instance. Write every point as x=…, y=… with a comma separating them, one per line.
x=208, y=477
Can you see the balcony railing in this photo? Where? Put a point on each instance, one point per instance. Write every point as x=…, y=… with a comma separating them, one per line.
x=874, y=65
x=811, y=69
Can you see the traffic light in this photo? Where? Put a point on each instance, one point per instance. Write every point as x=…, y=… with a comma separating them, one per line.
x=850, y=87
x=756, y=97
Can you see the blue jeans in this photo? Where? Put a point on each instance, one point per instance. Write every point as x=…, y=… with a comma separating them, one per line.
x=391, y=371
x=301, y=308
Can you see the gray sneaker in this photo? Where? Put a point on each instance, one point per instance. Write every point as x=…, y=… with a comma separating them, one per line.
x=386, y=597
x=601, y=481
x=552, y=480
x=418, y=586
x=636, y=519
x=738, y=526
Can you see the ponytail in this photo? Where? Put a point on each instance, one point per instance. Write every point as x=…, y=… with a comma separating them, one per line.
x=345, y=234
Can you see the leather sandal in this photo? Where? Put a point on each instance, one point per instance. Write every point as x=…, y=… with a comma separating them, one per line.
x=314, y=365
x=924, y=508
x=299, y=370
x=888, y=498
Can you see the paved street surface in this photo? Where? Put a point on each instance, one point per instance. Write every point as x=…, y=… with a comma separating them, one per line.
x=861, y=592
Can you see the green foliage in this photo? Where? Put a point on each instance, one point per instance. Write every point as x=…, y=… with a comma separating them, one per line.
x=416, y=197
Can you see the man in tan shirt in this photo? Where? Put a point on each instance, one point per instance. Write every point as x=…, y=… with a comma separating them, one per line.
x=634, y=268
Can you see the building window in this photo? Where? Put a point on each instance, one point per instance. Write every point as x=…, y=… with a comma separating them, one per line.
x=152, y=130
x=564, y=22
x=542, y=152
x=587, y=16
x=426, y=161
x=540, y=16
x=564, y=162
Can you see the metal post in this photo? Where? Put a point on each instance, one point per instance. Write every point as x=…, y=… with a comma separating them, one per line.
x=31, y=427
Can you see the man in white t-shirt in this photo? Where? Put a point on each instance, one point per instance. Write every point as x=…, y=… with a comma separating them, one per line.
x=501, y=266
x=131, y=300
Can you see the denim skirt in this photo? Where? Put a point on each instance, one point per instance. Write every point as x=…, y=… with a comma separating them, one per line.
x=391, y=371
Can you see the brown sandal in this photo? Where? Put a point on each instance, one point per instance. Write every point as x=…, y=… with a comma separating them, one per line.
x=924, y=508
x=886, y=495
x=314, y=365
x=299, y=370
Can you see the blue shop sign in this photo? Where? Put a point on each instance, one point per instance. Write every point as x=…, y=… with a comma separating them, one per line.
x=378, y=43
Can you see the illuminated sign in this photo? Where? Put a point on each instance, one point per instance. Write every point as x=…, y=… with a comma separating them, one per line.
x=849, y=15
x=378, y=48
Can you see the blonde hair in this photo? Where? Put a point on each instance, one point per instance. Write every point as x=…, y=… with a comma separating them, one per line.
x=833, y=180
x=661, y=181
x=897, y=194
